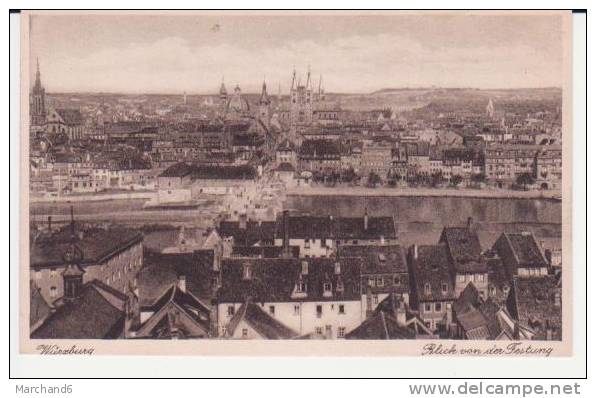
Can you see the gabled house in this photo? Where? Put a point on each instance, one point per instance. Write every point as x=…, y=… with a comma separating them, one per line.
x=480, y=319
x=92, y=310
x=521, y=255
x=384, y=272
x=251, y=321
x=318, y=296
x=467, y=264
x=535, y=303
x=432, y=287
x=177, y=314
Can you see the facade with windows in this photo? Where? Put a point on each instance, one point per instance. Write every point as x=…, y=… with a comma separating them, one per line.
x=111, y=256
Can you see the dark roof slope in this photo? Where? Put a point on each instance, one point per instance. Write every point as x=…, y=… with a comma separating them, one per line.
x=261, y=322
x=162, y=270
x=93, y=315
x=274, y=280
x=432, y=268
x=464, y=249
x=381, y=327
x=97, y=246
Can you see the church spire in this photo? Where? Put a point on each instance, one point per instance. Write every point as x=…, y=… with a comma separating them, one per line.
x=308, y=78
x=37, y=77
x=264, y=97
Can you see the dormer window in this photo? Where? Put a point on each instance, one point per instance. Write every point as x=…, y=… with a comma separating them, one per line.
x=301, y=287
x=304, y=266
x=337, y=268
x=327, y=287
x=382, y=258
x=444, y=288
x=246, y=272
x=339, y=286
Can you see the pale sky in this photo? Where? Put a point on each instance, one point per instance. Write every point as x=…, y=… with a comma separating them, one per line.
x=172, y=54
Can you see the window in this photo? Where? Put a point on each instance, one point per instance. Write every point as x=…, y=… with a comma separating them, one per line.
x=461, y=278
x=52, y=272
x=327, y=287
x=231, y=310
x=296, y=309
x=328, y=330
x=342, y=309
x=444, y=288
x=53, y=291
x=224, y=330
x=371, y=282
x=492, y=290
x=438, y=307
x=396, y=280
x=244, y=333
x=307, y=244
x=376, y=299
x=272, y=309
x=427, y=288
x=480, y=278
x=319, y=330
x=301, y=287
x=319, y=311
x=341, y=332
x=427, y=307
x=380, y=281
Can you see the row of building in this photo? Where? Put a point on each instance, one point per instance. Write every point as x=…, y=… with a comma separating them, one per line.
x=296, y=277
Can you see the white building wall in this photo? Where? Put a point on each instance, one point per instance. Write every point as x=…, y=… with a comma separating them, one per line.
x=305, y=320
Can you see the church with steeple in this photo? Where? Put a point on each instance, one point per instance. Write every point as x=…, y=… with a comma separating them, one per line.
x=37, y=101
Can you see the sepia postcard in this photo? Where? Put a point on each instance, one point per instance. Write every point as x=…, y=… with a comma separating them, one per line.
x=303, y=183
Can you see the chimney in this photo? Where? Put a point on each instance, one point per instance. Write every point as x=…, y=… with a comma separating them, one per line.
x=368, y=302
x=213, y=321
x=470, y=222
x=286, y=234
x=182, y=283
x=49, y=223
x=365, y=219
x=415, y=250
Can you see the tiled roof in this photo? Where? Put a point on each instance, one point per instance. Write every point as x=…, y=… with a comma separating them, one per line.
x=537, y=303
x=432, y=268
x=265, y=325
x=381, y=327
x=320, y=149
x=519, y=250
x=464, y=249
x=377, y=259
x=274, y=280
x=96, y=314
x=97, y=246
x=162, y=270
x=254, y=232
x=192, y=307
x=318, y=227
x=71, y=117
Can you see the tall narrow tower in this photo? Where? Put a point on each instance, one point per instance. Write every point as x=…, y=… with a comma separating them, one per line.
x=264, y=103
x=37, y=101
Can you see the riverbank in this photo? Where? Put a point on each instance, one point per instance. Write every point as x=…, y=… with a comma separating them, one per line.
x=424, y=192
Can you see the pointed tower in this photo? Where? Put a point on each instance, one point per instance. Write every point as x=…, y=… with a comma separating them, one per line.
x=37, y=101
x=223, y=93
x=264, y=103
x=490, y=109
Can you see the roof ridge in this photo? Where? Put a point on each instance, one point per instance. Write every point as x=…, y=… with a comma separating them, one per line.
x=384, y=325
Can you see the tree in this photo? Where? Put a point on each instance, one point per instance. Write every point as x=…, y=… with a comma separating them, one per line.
x=373, y=179
x=455, y=180
x=436, y=178
x=525, y=179
x=479, y=178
